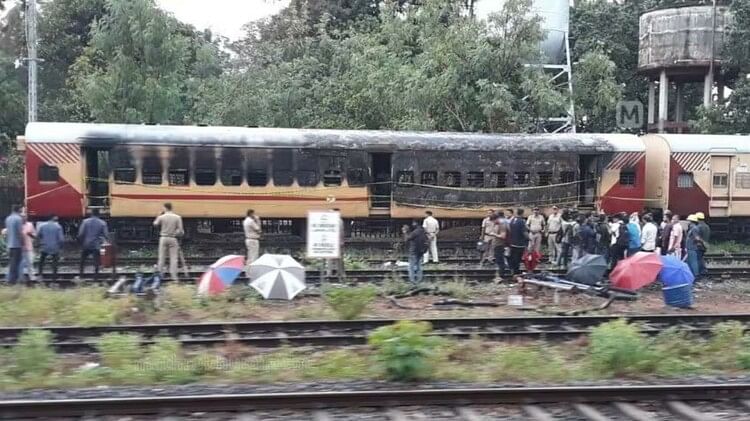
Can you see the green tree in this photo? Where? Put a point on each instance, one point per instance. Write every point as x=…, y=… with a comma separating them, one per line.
x=64, y=32
x=141, y=65
x=12, y=98
x=596, y=92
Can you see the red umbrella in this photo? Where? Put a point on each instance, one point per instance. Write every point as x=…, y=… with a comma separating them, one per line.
x=531, y=260
x=637, y=271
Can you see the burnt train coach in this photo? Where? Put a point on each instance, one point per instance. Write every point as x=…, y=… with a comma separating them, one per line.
x=213, y=174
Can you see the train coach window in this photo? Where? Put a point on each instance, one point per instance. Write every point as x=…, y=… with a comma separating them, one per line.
x=356, y=177
x=205, y=176
x=231, y=167
x=452, y=179
x=178, y=177
x=499, y=180
x=475, y=179
x=124, y=175
x=48, y=173
x=545, y=178
x=429, y=178
x=405, y=178
x=627, y=178
x=283, y=169
x=151, y=172
x=567, y=176
x=257, y=168
x=685, y=180
x=721, y=180
x=521, y=179
x=332, y=178
x=307, y=168
x=231, y=176
x=742, y=180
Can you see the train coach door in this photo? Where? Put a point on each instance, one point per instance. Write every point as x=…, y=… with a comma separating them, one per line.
x=587, y=181
x=380, y=190
x=720, y=184
x=97, y=179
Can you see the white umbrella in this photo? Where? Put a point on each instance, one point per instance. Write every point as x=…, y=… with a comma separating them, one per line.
x=277, y=276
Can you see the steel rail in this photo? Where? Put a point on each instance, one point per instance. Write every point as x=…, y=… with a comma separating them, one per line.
x=355, y=332
x=145, y=405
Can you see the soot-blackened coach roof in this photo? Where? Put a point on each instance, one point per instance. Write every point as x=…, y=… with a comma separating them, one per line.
x=106, y=135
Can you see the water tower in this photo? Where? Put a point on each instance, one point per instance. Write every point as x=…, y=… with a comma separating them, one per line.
x=680, y=46
x=555, y=48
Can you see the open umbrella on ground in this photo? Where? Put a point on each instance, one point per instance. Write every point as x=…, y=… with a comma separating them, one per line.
x=221, y=275
x=675, y=272
x=589, y=269
x=636, y=271
x=277, y=276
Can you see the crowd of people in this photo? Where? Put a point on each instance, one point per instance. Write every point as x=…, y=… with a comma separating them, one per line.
x=571, y=235
x=505, y=237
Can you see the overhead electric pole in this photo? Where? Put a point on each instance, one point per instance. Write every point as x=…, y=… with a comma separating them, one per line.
x=31, y=44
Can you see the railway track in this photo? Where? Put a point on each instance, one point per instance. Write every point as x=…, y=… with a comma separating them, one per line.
x=636, y=402
x=355, y=332
x=313, y=277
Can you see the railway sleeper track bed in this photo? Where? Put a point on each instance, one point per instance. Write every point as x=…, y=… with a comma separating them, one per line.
x=271, y=334
x=313, y=277
x=688, y=401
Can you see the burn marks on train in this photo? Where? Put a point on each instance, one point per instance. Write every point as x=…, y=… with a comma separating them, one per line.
x=471, y=178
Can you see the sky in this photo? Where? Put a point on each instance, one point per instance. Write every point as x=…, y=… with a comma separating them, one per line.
x=225, y=17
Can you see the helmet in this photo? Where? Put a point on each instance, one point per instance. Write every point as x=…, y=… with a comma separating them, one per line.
x=700, y=215
x=692, y=218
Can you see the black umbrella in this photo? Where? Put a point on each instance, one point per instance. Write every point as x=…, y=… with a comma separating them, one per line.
x=589, y=269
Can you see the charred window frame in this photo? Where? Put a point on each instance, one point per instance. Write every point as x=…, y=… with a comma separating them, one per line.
x=627, y=177
x=475, y=179
x=499, y=179
x=308, y=163
x=451, y=179
x=332, y=178
x=405, y=178
x=521, y=178
x=124, y=171
x=721, y=180
x=48, y=173
x=283, y=167
x=231, y=167
x=567, y=177
x=685, y=180
x=257, y=168
x=151, y=170
x=545, y=178
x=332, y=165
x=179, y=167
x=357, y=173
x=429, y=178
x=205, y=167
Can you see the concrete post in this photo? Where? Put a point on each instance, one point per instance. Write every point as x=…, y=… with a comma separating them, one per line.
x=663, y=100
x=651, y=102
x=678, y=106
x=708, y=87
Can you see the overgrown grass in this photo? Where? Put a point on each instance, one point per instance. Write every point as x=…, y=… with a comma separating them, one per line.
x=349, y=302
x=402, y=352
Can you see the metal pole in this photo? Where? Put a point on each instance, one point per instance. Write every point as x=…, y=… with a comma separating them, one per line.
x=709, y=88
x=31, y=44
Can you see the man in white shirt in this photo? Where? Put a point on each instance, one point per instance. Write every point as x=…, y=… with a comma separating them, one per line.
x=554, y=225
x=431, y=228
x=648, y=234
x=251, y=226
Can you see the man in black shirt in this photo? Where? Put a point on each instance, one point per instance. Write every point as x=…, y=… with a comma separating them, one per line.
x=519, y=240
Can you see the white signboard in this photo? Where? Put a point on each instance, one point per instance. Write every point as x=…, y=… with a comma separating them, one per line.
x=323, y=235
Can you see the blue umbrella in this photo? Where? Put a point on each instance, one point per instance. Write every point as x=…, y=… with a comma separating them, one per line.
x=675, y=272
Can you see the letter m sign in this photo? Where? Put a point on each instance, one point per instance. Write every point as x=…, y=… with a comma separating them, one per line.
x=630, y=114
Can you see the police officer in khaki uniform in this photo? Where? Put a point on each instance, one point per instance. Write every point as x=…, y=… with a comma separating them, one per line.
x=171, y=230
